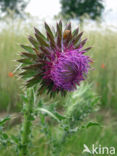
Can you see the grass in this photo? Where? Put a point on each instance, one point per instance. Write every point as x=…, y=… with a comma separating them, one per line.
x=10, y=40
x=105, y=73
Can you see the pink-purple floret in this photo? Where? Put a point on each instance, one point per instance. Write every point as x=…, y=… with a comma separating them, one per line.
x=67, y=69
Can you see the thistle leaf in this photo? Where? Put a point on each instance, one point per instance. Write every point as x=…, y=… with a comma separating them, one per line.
x=27, y=48
x=60, y=24
x=48, y=30
x=25, y=61
x=50, y=35
x=39, y=34
x=33, y=81
x=75, y=32
x=41, y=40
x=87, y=49
x=82, y=43
x=77, y=38
x=59, y=36
x=28, y=55
x=33, y=42
x=45, y=50
x=33, y=66
x=28, y=74
x=49, y=113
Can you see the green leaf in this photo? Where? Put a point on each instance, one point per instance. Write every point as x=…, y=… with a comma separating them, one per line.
x=59, y=35
x=41, y=40
x=25, y=54
x=59, y=116
x=49, y=113
x=92, y=124
x=5, y=136
x=81, y=43
x=14, y=138
x=87, y=49
x=50, y=35
x=75, y=32
x=28, y=74
x=32, y=67
x=4, y=120
x=34, y=42
x=33, y=81
x=77, y=38
x=39, y=33
x=25, y=61
x=48, y=30
x=27, y=48
x=60, y=24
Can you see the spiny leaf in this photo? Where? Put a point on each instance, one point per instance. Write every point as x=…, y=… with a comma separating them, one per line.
x=60, y=24
x=82, y=43
x=41, y=90
x=77, y=38
x=87, y=49
x=45, y=50
x=28, y=55
x=50, y=35
x=41, y=40
x=48, y=30
x=28, y=74
x=75, y=32
x=32, y=81
x=34, y=42
x=59, y=36
x=33, y=66
x=39, y=34
x=27, y=48
x=38, y=53
x=25, y=61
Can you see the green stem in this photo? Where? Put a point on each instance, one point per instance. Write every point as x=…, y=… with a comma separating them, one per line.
x=26, y=127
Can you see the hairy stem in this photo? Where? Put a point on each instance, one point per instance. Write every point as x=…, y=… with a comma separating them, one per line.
x=27, y=125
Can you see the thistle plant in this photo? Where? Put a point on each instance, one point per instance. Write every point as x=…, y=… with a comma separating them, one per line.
x=55, y=63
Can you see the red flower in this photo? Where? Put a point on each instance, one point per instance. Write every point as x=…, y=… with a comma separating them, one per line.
x=10, y=74
x=102, y=66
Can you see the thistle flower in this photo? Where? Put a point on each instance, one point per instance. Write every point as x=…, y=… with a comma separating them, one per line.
x=56, y=62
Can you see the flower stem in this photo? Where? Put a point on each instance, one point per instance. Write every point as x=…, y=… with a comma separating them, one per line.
x=27, y=123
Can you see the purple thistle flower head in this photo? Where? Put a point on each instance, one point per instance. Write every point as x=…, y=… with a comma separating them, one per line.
x=70, y=68
x=57, y=62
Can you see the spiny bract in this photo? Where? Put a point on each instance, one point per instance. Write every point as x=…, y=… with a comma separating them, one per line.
x=56, y=62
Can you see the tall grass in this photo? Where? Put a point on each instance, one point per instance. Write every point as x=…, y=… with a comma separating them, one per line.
x=105, y=73
x=104, y=76
x=10, y=40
